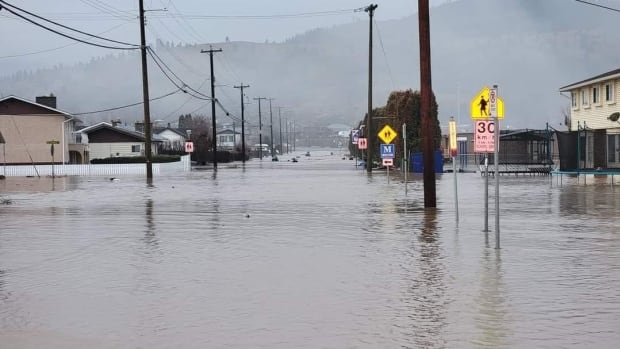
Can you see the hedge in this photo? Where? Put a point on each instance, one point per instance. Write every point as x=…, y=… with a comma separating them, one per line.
x=136, y=159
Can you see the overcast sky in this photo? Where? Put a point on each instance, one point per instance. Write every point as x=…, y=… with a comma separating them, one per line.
x=186, y=21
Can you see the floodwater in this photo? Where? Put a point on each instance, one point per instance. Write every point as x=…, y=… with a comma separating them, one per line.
x=314, y=254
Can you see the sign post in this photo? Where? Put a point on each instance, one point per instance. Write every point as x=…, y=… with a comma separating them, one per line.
x=405, y=164
x=486, y=109
x=355, y=135
x=51, y=143
x=388, y=151
x=495, y=114
x=453, y=152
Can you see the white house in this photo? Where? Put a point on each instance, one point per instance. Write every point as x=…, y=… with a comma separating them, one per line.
x=173, y=138
x=228, y=139
x=595, y=115
x=106, y=141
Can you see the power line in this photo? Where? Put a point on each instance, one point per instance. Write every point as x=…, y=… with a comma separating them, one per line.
x=387, y=63
x=126, y=106
x=159, y=62
x=55, y=48
x=66, y=35
x=105, y=8
x=64, y=26
x=598, y=5
x=274, y=16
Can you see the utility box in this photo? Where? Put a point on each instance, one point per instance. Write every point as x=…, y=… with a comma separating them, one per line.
x=417, y=162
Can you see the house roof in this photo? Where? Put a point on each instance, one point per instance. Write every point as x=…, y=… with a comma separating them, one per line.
x=227, y=132
x=599, y=78
x=136, y=134
x=158, y=130
x=53, y=110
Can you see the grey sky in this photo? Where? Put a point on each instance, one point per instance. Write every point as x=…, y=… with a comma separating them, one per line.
x=184, y=21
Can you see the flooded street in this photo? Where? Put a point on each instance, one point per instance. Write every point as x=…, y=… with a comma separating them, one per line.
x=314, y=254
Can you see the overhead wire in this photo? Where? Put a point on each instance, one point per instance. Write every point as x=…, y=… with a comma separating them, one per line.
x=387, y=63
x=55, y=48
x=161, y=64
x=128, y=105
x=598, y=5
x=66, y=35
x=274, y=16
x=193, y=33
x=64, y=26
x=103, y=7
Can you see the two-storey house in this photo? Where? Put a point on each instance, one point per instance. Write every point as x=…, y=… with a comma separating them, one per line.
x=595, y=117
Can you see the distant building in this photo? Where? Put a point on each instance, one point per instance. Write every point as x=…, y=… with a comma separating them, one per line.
x=106, y=140
x=228, y=139
x=595, y=121
x=29, y=127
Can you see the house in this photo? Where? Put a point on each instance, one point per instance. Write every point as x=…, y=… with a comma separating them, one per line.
x=31, y=129
x=594, y=122
x=173, y=138
x=228, y=139
x=106, y=140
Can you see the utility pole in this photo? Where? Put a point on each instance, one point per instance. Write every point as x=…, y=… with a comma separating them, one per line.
x=287, y=136
x=426, y=91
x=280, y=118
x=294, y=136
x=210, y=51
x=370, y=136
x=145, y=100
x=260, y=128
x=271, y=127
x=241, y=87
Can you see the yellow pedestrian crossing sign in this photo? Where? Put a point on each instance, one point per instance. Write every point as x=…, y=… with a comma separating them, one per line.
x=482, y=103
x=387, y=134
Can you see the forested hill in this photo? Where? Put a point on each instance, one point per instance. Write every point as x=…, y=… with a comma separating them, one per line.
x=529, y=48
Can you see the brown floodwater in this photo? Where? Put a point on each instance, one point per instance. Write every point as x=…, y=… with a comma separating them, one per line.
x=314, y=254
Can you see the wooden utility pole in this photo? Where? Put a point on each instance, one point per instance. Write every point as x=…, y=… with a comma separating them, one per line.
x=426, y=91
x=271, y=127
x=210, y=51
x=260, y=128
x=145, y=99
x=370, y=136
x=241, y=87
x=280, y=118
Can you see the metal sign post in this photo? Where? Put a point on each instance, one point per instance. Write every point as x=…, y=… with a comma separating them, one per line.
x=453, y=150
x=494, y=115
x=405, y=164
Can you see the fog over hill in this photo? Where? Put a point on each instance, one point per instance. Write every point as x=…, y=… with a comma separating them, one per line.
x=529, y=48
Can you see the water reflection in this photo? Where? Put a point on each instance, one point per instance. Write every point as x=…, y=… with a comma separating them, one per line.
x=491, y=320
x=427, y=293
x=150, y=237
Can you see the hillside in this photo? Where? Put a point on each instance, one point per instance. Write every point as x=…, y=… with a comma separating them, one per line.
x=529, y=47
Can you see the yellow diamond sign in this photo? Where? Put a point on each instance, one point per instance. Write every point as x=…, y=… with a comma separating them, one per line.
x=387, y=134
x=480, y=105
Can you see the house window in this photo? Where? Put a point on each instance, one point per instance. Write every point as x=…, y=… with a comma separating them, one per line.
x=596, y=91
x=135, y=148
x=573, y=97
x=585, y=101
x=609, y=92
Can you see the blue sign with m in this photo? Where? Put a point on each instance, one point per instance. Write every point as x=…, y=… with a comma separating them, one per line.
x=388, y=151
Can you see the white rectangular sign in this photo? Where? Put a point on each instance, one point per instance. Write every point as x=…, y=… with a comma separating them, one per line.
x=388, y=162
x=484, y=136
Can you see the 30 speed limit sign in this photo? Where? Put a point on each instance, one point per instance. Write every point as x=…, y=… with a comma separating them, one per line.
x=484, y=136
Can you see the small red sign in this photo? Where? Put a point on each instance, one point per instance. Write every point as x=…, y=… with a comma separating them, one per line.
x=189, y=147
x=362, y=143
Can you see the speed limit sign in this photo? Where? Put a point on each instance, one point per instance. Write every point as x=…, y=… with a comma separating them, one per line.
x=484, y=136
